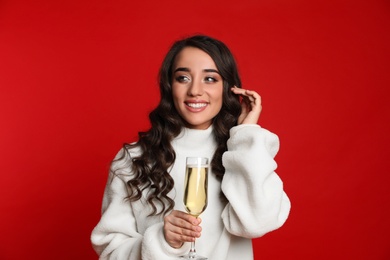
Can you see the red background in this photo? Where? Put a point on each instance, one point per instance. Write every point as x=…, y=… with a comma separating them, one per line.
x=78, y=78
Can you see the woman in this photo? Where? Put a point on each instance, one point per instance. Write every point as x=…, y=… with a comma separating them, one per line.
x=202, y=112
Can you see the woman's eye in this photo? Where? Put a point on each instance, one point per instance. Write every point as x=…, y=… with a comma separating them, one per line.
x=182, y=79
x=210, y=79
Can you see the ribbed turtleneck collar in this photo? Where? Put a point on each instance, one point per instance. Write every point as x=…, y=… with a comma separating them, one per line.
x=194, y=138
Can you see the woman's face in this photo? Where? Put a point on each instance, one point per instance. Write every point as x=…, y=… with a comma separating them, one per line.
x=197, y=88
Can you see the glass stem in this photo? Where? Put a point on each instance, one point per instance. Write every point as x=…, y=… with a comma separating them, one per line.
x=192, y=253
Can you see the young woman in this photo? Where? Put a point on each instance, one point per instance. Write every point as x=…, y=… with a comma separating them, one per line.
x=204, y=112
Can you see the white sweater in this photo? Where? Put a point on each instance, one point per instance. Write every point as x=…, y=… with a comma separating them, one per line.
x=257, y=203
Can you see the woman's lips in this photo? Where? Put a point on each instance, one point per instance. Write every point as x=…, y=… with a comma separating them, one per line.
x=196, y=106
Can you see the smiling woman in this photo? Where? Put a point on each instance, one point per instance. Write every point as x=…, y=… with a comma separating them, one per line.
x=203, y=112
x=197, y=88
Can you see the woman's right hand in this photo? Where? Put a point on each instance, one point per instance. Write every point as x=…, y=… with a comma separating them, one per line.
x=180, y=227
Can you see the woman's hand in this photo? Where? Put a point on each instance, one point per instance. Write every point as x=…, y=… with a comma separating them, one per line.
x=250, y=105
x=180, y=227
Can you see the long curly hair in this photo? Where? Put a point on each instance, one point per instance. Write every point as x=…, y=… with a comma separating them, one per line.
x=150, y=167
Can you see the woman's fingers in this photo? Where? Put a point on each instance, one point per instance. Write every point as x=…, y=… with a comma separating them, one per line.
x=184, y=223
x=250, y=104
x=180, y=227
x=180, y=234
x=248, y=95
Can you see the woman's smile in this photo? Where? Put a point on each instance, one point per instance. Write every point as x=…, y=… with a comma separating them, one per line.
x=196, y=106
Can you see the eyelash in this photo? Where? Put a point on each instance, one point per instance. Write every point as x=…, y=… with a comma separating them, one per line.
x=182, y=79
x=212, y=79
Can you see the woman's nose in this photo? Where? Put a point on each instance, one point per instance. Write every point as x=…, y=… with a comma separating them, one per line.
x=195, y=89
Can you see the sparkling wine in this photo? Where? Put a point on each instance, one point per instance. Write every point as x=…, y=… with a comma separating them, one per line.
x=195, y=193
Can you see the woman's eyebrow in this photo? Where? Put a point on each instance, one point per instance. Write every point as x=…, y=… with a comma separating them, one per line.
x=211, y=70
x=188, y=70
x=182, y=69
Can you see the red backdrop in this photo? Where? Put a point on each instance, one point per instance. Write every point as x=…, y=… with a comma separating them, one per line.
x=78, y=78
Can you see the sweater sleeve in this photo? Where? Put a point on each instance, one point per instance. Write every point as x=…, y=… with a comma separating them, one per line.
x=257, y=202
x=116, y=235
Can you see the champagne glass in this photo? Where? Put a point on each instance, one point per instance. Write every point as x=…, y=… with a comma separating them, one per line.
x=195, y=193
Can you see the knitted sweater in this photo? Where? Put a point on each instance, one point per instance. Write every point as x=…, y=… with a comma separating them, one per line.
x=256, y=203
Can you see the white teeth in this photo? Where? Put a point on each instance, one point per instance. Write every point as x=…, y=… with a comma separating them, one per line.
x=196, y=105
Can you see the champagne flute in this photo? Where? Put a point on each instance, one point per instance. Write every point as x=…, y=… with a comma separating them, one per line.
x=195, y=193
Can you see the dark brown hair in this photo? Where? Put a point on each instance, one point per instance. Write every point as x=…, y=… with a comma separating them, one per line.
x=156, y=152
